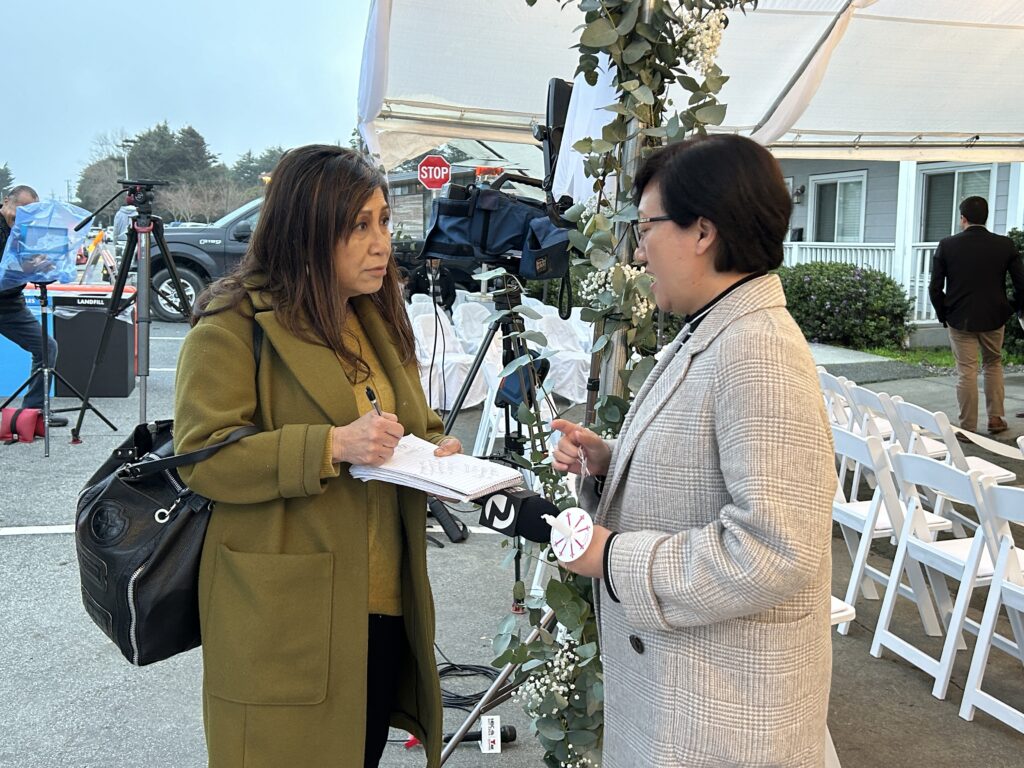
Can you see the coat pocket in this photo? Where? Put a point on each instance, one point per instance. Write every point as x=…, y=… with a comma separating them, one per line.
x=266, y=639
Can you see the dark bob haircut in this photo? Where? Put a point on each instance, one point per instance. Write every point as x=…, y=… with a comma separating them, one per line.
x=732, y=182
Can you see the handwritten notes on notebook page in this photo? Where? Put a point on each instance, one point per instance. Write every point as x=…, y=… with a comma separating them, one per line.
x=455, y=477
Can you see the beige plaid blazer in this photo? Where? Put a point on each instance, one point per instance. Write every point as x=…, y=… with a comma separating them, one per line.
x=721, y=484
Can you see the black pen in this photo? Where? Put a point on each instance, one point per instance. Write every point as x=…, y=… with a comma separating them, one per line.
x=373, y=401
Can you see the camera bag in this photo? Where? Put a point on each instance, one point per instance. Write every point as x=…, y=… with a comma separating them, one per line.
x=139, y=534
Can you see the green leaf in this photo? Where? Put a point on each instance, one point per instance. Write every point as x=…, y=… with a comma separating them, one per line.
x=628, y=20
x=640, y=373
x=529, y=312
x=601, y=259
x=575, y=213
x=600, y=344
x=599, y=34
x=644, y=95
x=550, y=728
x=714, y=83
x=533, y=664
x=524, y=415
x=578, y=240
x=614, y=132
x=688, y=83
x=557, y=594
x=610, y=414
x=647, y=31
x=508, y=624
x=518, y=593
x=582, y=738
x=635, y=51
x=601, y=147
x=586, y=651
x=535, y=336
x=711, y=115
x=583, y=146
x=630, y=85
x=515, y=365
x=501, y=643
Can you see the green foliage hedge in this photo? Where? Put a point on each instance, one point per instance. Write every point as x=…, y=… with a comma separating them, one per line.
x=1013, y=341
x=847, y=306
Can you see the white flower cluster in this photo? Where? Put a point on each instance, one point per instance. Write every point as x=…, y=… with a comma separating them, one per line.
x=596, y=283
x=705, y=38
x=556, y=675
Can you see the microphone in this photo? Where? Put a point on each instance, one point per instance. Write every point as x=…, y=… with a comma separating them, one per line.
x=508, y=735
x=517, y=512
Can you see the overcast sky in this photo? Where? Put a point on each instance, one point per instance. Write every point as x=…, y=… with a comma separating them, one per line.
x=246, y=75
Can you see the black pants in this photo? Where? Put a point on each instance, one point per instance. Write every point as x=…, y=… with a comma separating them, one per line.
x=386, y=646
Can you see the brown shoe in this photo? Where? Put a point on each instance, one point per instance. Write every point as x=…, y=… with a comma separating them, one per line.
x=995, y=426
x=962, y=438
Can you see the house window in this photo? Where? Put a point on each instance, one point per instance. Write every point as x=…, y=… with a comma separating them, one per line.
x=837, y=207
x=943, y=193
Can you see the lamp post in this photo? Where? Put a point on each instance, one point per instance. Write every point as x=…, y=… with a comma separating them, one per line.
x=126, y=145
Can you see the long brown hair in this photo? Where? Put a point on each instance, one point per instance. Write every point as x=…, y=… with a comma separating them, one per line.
x=313, y=199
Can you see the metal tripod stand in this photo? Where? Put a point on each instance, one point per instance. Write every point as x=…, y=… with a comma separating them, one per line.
x=144, y=227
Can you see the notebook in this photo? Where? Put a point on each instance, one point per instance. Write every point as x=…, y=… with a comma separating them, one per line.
x=452, y=477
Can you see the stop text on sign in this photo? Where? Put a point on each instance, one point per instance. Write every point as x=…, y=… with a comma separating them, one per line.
x=434, y=171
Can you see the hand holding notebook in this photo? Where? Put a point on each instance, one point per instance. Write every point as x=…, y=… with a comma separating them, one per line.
x=459, y=477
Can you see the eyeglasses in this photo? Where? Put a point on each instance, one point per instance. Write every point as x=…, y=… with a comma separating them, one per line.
x=638, y=234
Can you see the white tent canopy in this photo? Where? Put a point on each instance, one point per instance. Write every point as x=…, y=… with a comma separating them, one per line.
x=872, y=79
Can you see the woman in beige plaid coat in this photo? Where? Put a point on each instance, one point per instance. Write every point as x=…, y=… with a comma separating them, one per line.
x=714, y=523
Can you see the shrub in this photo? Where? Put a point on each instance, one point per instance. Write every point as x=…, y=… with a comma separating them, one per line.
x=846, y=305
x=1013, y=341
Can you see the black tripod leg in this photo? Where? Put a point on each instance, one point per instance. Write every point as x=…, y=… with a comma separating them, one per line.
x=471, y=376
x=158, y=233
x=453, y=528
x=130, y=248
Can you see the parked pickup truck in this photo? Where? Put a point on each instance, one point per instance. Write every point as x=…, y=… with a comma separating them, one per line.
x=201, y=254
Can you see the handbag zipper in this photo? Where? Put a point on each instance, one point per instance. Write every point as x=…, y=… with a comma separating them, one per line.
x=131, y=609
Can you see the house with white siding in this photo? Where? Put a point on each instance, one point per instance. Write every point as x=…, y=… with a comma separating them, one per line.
x=890, y=215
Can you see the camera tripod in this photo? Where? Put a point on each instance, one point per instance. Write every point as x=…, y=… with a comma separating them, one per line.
x=144, y=226
x=47, y=374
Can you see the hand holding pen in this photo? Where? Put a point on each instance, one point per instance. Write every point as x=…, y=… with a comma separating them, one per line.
x=370, y=439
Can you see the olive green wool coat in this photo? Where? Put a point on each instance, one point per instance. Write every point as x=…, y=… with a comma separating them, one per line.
x=283, y=583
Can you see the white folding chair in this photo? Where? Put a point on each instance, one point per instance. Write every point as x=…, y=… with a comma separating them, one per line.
x=904, y=433
x=869, y=407
x=570, y=366
x=470, y=321
x=419, y=308
x=584, y=330
x=880, y=517
x=443, y=364
x=421, y=298
x=837, y=399
x=920, y=421
x=461, y=294
x=963, y=560
x=1003, y=507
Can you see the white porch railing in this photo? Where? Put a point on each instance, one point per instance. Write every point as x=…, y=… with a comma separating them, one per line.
x=880, y=256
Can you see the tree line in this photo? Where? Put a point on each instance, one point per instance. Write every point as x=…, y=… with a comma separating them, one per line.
x=201, y=187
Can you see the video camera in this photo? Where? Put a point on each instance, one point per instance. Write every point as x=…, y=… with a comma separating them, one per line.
x=480, y=224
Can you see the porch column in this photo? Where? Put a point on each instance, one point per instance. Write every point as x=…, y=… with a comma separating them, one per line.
x=906, y=204
x=1015, y=199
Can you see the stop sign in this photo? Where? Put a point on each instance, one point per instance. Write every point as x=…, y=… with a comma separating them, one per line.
x=434, y=171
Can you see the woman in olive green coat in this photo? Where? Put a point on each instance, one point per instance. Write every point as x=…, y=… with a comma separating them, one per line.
x=316, y=611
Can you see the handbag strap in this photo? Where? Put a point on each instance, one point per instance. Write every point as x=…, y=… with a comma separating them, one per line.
x=144, y=468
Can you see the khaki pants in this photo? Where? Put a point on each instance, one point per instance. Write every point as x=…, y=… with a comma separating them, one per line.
x=965, y=350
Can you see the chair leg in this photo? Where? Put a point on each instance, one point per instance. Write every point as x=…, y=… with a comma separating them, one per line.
x=889, y=601
x=940, y=590
x=986, y=630
x=858, y=546
x=923, y=598
x=954, y=633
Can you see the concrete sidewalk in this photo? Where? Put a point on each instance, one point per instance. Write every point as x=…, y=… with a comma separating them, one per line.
x=68, y=699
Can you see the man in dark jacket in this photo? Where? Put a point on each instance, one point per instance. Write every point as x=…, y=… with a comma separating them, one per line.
x=17, y=323
x=968, y=291
x=435, y=281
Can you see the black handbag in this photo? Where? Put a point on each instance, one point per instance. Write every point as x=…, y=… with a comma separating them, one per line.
x=139, y=534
